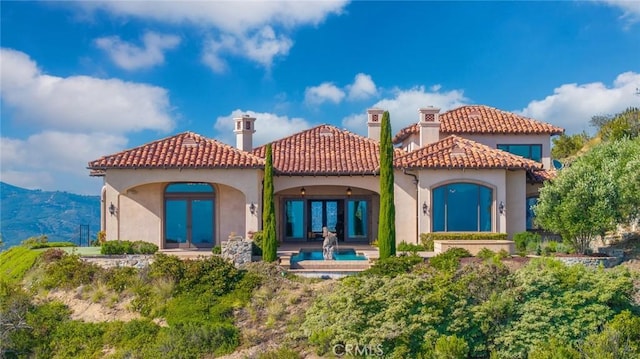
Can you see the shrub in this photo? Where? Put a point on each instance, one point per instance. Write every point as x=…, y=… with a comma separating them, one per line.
x=451, y=347
x=449, y=260
x=31, y=241
x=410, y=247
x=486, y=253
x=15, y=262
x=68, y=272
x=427, y=241
x=165, y=266
x=189, y=340
x=141, y=247
x=256, y=246
x=526, y=241
x=214, y=275
x=128, y=247
x=216, y=250
x=52, y=255
x=474, y=236
x=121, y=278
x=393, y=266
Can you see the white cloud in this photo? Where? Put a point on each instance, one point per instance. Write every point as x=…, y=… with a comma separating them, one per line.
x=403, y=107
x=54, y=160
x=630, y=9
x=262, y=47
x=251, y=26
x=268, y=126
x=70, y=121
x=132, y=57
x=571, y=106
x=325, y=92
x=79, y=103
x=362, y=88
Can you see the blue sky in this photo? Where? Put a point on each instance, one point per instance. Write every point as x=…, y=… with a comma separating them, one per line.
x=85, y=79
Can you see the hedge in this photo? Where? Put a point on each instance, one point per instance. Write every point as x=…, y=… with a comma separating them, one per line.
x=455, y=236
x=127, y=247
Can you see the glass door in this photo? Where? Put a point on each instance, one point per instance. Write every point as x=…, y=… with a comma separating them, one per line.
x=201, y=223
x=325, y=213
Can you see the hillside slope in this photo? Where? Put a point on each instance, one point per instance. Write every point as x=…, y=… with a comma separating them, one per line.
x=25, y=213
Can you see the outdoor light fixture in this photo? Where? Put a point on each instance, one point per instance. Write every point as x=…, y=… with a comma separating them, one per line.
x=501, y=207
x=112, y=209
x=349, y=192
x=252, y=208
x=303, y=191
x=425, y=208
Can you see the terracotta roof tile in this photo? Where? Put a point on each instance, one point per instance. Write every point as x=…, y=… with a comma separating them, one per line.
x=184, y=150
x=541, y=176
x=325, y=150
x=479, y=119
x=458, y=152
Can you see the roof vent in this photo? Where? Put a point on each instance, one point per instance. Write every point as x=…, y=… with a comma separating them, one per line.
x=189, y=142
x=325, y=132
x=475, y=115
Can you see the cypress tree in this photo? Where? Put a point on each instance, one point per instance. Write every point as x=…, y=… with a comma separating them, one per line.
x=387, y=220
x=269, y=241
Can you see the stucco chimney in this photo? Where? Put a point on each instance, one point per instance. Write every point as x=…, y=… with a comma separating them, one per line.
x=429, y=124
x=374, y=118
x=244, y=129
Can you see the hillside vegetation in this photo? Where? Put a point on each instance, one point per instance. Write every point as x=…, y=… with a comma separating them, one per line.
x=401, y=308
x=28, y=213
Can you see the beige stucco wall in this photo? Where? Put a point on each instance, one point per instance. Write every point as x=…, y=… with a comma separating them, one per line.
x=516, y=202
x=139, y=197
x=508, y=186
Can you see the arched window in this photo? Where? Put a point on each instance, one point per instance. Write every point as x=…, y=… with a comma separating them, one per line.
x=462, y=207
x=189, y=215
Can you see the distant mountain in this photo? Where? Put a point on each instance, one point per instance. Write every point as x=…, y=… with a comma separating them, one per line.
x=59, y=215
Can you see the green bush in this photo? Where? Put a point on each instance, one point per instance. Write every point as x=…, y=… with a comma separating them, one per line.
x=142, y=247
x=410, y=247
x=427, y=241
x=526, y=242
x=256, y=246
x=68, y=272
x=393, y=266
x=485, y=253
x=216, y=250
x=121, y=278
x=190, y=340
x=166, y=266
x=128, y=247
x=449, y=260
x=455, y=236
x=35, y=240
x=213, y=275
x=451, y=347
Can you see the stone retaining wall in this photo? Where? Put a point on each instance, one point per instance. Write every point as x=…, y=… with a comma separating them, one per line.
x=130, y=260
x=237, y=249
x=606, y=262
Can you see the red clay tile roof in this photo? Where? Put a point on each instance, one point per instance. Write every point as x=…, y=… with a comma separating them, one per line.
x=541, y=176
x=480, y=119
x=325, y=150
x=458, y=152
x=184, y=150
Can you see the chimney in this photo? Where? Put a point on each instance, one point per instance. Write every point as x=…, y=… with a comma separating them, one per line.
x=374, y=120
x=429, y=124
x=244, y=132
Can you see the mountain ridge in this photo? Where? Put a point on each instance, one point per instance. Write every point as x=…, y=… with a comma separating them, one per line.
x=57, y=214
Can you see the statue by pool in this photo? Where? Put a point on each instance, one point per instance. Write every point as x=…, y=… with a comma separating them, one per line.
x=329, y=244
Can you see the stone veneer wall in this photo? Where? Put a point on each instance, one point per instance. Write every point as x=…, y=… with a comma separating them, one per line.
x=134, y=260
x=237, y=249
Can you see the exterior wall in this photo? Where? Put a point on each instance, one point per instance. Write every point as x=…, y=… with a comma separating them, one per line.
x=474, y=246
x=516, y=204
x=495, y=179
x=138, y=196
x=407, y=213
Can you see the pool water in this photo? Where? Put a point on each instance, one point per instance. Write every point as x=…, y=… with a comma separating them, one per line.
x=341, y=254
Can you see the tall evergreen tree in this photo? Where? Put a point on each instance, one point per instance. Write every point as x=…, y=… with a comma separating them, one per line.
x=387, y=220
x=269, y=241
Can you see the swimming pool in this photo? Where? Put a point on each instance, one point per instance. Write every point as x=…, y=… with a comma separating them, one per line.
x=341, y=254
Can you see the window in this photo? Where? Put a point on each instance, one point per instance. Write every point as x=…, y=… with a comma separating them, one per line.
x=532, y=152
x=531, y=202
x=189, y=215
x=462, y=207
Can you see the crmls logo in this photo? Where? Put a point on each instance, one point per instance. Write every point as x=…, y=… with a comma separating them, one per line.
x=358, y=350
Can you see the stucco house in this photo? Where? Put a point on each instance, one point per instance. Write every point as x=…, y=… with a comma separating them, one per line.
x=471, y=169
